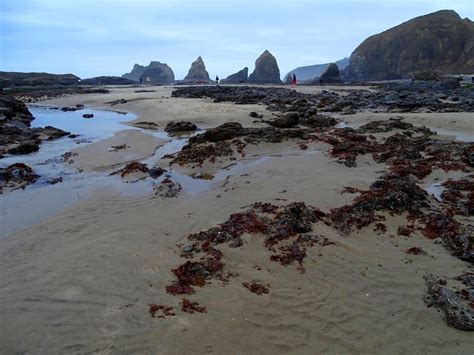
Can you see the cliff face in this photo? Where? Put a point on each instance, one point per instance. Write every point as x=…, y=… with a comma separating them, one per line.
x=440, y=41
x=36, y=79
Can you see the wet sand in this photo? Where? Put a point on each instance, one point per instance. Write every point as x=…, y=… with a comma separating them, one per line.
x=82, y=280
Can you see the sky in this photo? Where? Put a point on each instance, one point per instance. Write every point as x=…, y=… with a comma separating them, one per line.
x=106, y=37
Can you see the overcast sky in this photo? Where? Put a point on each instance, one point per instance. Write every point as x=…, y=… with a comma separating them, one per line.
x=106, y=37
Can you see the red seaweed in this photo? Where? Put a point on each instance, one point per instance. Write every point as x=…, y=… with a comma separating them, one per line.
x=254, y=287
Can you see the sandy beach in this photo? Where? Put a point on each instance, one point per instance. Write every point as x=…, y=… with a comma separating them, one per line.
x=81, y=280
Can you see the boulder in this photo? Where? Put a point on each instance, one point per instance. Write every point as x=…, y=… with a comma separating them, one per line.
x=236, y=78
x=197, y=72
x=288, y=120
x=441, y=41
x=266, y=70
x=180, y=126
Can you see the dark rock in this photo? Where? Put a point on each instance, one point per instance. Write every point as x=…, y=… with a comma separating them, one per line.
x=237, y=78
x=16, y=176
x=266, y=70
x=88, y=115
x=117, y=102
x=253, y=114
x=223, y=132
x=458, y=312
x=107, y=80
x=288, y=120
x=167, y=189
x=69, y=109
x=25, y=147
x=156, y=172
x=197, y=72
x=180, y=126
x=50, y=132
x=440, y=41
x=319, y=121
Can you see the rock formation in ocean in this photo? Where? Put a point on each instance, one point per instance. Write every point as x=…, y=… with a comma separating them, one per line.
x=8, y=79
x=331, y=75
x=440, y=41
x=136, y=72
x=266, y=70
x=240, y=77
x=308, y=73
x=198, y=71
x=107, y=80
x=158, y=73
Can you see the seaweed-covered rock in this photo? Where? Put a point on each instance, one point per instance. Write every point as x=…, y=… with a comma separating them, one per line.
x=457, y=307
x=180, y=126
x=16, y=176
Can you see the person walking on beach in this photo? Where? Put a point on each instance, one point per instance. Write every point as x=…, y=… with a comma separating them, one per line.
x=293, y=80
x=217, y=80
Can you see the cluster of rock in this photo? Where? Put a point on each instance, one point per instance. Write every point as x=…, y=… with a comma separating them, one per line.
x=16, y=135
x=155, y=73
x=434, y=96
x=440, y=41
x=106, y=80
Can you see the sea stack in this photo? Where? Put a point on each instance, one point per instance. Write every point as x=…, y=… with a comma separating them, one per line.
x=198, y=71
x=441, y=41
x=155, y=73
x=240, y=77
x=331, y=75
x=266, y=70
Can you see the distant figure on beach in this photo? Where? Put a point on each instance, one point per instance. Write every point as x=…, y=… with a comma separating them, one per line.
x=320, y=81
x=148, y=80
x=141, y=81
x=293, y=80
x=217, y=79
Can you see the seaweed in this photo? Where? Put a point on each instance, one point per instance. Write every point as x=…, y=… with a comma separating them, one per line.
x=166, y=311
x=191, y=307
x=257, y=288
x=130, y=168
